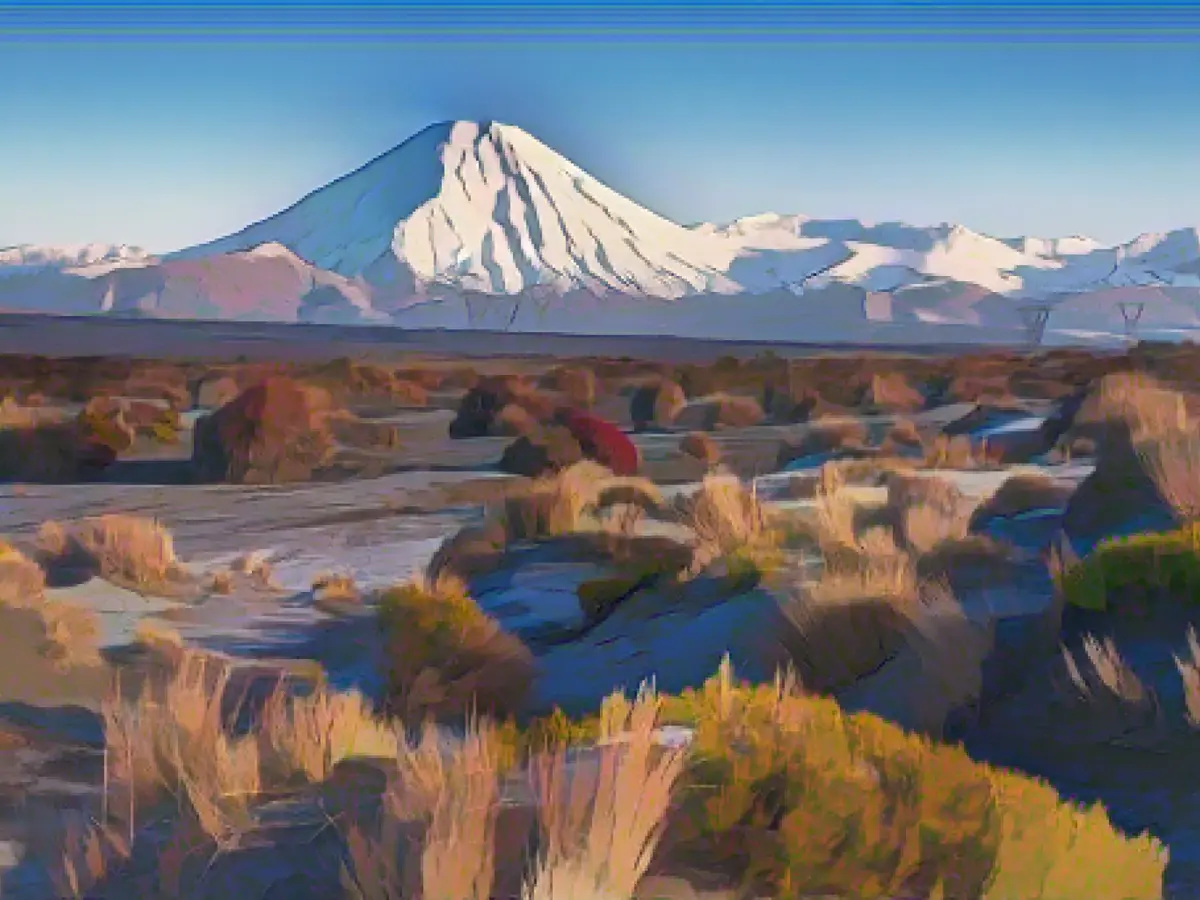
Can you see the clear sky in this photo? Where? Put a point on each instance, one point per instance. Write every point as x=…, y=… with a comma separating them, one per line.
x=168, y=124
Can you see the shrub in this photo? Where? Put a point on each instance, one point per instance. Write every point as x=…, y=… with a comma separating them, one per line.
x=275, y=432
x=577, y=385
x=132, y=552
x=307, y=736
x=803, y=800
x=444, y=656
x=701, y=447
x=1129, y=573
x=22, y=581
x=601, y=819
x=728, y=521
x=602, y=441
x=656, y=404
x=1172, y=460
x=514, y=420
x=892, y=392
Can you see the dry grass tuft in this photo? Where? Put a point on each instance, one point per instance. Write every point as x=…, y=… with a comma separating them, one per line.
x=22, y=581
x=1189, y=671
x=1107, y=669
x=129, y=551
x=88, y=850
x=447, y=792
x=173, y=739
x=602, y=818
x=571, y=500
x=334, y=590
x=836, y=509
x=309, y=735
x=256, y=566
x=71, y=634
x=1172, y=460
x=729, y=521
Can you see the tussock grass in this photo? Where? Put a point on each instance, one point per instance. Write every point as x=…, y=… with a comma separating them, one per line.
x=307, y=736
x=1172, y=460
x=437, y=834
x=129, y=551
x=729, y=521
x=173, y=740
x=22, y=581
x=602, y=818
x=572, y=500
x=335, y=590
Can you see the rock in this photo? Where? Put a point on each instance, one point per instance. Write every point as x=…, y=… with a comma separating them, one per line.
x=272, y=433
x=601, y=441
x=547, y=450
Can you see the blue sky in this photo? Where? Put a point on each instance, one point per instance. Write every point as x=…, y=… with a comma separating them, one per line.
x=169, y=124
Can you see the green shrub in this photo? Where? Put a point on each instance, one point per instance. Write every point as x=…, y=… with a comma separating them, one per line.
x=444, y=656
x=1133, y=571
x=805, y=800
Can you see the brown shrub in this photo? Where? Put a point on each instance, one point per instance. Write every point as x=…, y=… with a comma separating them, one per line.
x=892, y=392
x=904, y=434
x=275, y=432
x=446, y=657
x=349, y=429
x=514, y=420
x=735, y=412
x=658, y=403
x=22, y=581
x=576, y=384
x=701, y=447
x=545, y=451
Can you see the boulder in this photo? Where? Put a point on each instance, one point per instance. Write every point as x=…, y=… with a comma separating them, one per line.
x=274, y=432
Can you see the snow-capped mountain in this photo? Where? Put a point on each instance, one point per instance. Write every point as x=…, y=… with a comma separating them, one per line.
x=481, y=225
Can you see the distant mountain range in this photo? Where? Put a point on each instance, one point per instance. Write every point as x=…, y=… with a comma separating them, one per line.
x=480, y=225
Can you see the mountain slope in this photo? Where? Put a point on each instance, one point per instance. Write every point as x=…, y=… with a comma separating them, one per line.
x=480, y=225
x=486, y=207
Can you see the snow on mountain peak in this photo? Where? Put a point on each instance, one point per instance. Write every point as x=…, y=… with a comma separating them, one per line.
x=486, y=207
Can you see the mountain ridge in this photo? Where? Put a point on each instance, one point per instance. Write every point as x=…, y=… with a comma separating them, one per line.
x=467, y=215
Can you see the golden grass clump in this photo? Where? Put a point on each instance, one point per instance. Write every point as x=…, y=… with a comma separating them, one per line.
x=602, y=817
x=22, y=581
x=129, y=551
x=444, y=656
x=571, y=500
x=1172, y=460
x=173, y=739
x=729, y=521
x=436, y=837
x=309, y=735
x=334, y=590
